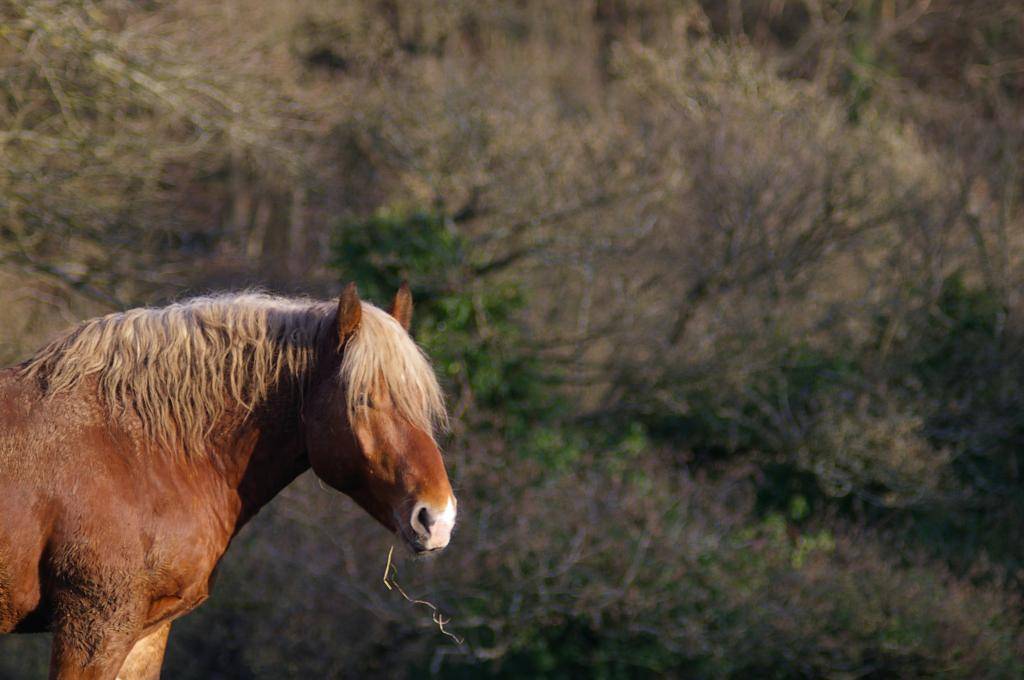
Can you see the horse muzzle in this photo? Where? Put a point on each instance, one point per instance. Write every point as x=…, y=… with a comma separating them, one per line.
x=429, y=527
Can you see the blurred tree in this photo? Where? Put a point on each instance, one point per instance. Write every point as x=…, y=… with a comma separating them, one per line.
x=727, y=297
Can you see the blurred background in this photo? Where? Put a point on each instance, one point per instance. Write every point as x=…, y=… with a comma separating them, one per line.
x=726, y=297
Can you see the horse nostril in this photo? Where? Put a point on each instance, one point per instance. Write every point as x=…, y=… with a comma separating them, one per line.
x=424, y=518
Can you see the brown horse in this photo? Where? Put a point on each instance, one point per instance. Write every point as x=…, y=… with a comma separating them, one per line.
x=135, y=447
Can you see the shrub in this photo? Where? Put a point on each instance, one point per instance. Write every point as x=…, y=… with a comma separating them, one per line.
x=553, y=574
x=468, y=323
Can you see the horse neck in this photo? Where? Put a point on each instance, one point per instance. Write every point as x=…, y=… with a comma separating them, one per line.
x=261, y=452
x=265, y=451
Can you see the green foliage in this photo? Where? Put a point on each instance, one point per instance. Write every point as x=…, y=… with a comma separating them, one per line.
x=825, y=438
x=905, y=430
x=728, y=595
x=574, y=648
x=468, y=324
x=955, y=335
x=391, y=246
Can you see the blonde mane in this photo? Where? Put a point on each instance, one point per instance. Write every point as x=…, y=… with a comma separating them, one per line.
x=181, y=368
x=381, y=359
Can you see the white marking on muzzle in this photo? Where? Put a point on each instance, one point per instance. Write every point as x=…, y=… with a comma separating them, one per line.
x=437, y=530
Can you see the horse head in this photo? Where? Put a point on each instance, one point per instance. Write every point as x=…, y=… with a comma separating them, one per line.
x=369, y=422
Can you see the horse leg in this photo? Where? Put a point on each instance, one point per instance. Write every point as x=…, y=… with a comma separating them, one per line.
x=72, y=658
x=93, y=631
x=147, y=656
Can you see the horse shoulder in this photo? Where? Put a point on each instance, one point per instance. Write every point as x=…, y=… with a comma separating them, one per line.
x=81, y=504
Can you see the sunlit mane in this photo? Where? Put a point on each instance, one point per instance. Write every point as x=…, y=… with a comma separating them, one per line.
x=381, y=358
x=180, y=368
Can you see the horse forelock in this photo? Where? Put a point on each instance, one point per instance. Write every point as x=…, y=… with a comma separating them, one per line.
x=180, y=368
x=381, y=359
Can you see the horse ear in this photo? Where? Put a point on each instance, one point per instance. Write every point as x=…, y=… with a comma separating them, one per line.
x=350, y=312
x=401, y=307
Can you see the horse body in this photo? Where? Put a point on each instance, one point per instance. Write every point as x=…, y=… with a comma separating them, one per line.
x=116, y=544
x=105, y=538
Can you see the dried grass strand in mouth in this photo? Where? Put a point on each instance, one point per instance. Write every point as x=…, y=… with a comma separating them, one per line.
x=435, y=614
